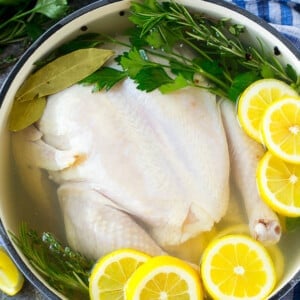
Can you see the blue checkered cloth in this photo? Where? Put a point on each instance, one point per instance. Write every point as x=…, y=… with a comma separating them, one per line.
x=284, y=15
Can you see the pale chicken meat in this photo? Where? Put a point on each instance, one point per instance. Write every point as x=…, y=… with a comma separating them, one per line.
x=158, y=164
x=134, y=169
x=245, y=155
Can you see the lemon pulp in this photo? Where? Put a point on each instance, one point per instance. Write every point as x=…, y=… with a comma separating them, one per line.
x=254, y=101
x=112, y=271
x=279, y=184
x=237, y=267
x=281, y=129
x=164, y=277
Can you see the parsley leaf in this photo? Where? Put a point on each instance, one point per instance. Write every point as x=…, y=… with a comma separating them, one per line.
x=135, y=60
x=151, y=78
x=182, y=68
x=135, y=38
x=104, y=78
x=53, y=9
x=178, y=83
x=240, y=82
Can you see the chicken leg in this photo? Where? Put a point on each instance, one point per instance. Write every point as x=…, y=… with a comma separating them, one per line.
x=244, y=156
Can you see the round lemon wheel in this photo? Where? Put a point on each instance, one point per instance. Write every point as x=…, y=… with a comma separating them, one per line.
x=254, y=101
x=279, y=184
x=164, y=277
x=111, y=272
x=237, y=267
x=273, y=250
x=281, y=129
x=11, y=279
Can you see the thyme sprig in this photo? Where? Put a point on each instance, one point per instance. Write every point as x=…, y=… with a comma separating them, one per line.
x=63, y=268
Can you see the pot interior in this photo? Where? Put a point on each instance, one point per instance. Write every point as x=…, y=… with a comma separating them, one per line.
x=16, y=206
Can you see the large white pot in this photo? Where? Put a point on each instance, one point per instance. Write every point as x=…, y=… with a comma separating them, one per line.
x=108, y=16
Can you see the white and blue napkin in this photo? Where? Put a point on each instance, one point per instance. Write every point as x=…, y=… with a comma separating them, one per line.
x=284, y=15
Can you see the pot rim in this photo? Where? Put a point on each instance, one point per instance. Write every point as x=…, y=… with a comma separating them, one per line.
x=36, y=282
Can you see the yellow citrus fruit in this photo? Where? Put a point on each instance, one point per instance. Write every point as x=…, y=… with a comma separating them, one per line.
x=237, y=267
x=11, y=279
x=112, y=271
x=273, y=250
x=254, y=101
x=164, y=277
x=279, y=184
x=280, y=128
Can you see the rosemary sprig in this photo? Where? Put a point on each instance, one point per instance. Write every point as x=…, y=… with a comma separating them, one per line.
x=64, y=269
x=222, y=58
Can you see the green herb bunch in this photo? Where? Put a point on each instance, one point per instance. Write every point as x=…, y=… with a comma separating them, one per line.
x=23, y=21
x=64, y=269
x=219, y=55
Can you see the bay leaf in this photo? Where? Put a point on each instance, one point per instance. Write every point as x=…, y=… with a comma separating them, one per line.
x=23, y=114
x=62, y=73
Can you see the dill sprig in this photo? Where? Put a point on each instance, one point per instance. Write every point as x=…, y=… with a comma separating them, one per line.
x=64, y=269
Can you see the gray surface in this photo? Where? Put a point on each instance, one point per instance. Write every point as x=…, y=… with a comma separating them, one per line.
x=28, y=291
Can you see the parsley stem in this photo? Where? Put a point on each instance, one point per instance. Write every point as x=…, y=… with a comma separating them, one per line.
x=16, y=17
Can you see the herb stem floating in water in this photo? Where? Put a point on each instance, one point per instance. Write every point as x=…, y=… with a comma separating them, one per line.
x=64, y=269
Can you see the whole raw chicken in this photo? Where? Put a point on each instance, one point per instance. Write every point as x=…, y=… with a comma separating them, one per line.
x=142, y=170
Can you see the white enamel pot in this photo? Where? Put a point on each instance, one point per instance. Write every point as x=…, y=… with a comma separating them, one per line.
x=111, y=17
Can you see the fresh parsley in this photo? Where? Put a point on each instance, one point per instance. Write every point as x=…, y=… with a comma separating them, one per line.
x=23, y=21
x=164, y=31
x=17, y=20
x=104, y=78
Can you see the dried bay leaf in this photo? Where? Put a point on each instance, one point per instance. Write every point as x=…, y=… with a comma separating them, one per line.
x=23, y=114
x=62, y=73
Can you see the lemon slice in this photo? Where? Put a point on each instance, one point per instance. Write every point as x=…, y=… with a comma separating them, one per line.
x=237, y=267
x=279, y=184
x=164, y=277
x=280, y=128
x=112, y=271
x=11, y=279
x=273, y=250
x=254, y=101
